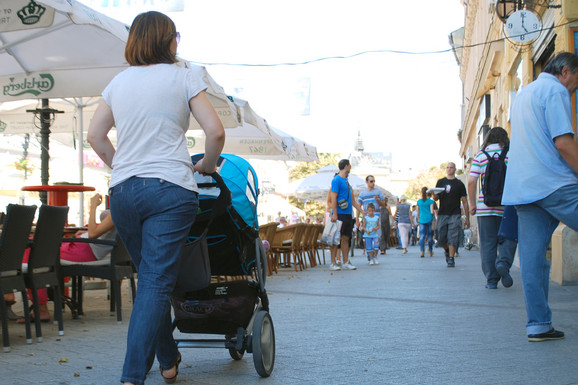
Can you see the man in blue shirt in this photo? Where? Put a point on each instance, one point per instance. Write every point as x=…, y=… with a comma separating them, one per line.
x=542, y=181
x=341, y=202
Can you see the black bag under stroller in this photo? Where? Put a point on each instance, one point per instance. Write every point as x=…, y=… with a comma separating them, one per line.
x=235, y=302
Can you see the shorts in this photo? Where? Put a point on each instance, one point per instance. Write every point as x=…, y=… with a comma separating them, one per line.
x=347, y=226
x=449, y=228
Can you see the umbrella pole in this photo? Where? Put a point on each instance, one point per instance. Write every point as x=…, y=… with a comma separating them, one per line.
x=45, y=147
x=80, y=145
x=45, y=113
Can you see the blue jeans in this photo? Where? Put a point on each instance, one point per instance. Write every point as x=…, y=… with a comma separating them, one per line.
x=536, y=224
x=153, y=217
x=494, y=250
x=425, y=232
x=371, y=244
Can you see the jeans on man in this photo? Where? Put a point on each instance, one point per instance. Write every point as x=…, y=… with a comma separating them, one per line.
x=493, y=249
x=153, y=218
x=536, y=224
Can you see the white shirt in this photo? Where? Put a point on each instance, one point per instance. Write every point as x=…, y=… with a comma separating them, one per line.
x=151, y=114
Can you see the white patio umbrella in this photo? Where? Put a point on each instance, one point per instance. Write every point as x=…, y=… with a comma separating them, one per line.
x=317, y=186
x=256, y=139
x=61, y=49
x=253, y=139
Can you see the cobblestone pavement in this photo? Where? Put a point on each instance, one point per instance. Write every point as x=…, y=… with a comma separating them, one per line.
x=408, y=320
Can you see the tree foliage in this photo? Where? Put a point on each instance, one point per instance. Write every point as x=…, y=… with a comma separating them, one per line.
x=304, y=169
x=427, y=179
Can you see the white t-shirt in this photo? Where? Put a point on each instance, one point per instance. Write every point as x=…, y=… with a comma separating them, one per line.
x=151, y=114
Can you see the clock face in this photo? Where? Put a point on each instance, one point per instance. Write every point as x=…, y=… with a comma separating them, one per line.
x=523, y=26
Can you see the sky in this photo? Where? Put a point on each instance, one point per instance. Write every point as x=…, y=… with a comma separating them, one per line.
x=407, y=104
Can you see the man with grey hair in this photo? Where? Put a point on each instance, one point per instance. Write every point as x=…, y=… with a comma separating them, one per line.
x=542, y=181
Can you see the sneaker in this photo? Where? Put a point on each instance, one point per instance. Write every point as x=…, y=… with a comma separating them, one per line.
x=491, y=285
x=504, y=272
x=348, y=266
x=552, y=334
x=371, y=262
x=334, y=267
x=375, y=260
x=451, y=262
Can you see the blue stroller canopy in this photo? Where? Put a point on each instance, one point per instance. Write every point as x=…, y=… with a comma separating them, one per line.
x=240, y=177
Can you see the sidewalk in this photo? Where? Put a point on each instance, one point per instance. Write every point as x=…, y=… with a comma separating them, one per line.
x=409, y=320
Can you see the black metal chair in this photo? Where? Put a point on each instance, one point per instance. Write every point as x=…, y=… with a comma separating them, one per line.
x=43, y=261
x=115, y=269
x=13, y=243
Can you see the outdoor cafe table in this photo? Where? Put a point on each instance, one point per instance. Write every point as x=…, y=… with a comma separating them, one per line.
x=58, y=194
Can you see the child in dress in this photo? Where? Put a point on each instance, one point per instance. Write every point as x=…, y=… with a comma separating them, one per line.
x=370, y=225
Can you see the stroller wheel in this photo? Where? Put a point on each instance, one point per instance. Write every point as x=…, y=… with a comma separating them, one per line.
x=263, y=344
x=235, y=354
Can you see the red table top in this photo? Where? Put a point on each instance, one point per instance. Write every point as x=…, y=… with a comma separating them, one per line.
x=59, y=187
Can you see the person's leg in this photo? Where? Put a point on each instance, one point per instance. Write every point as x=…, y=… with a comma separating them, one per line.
x=506, y=252
x=442, y=229
x=488, y=226
x=333, y=254
x=345, y=248
x=535, y=229
x=76, y=252
x=429, y=235
x=166, y=212
x=422, y=231
x=404, y=229
x=398, y=238
x=346, y=234
x=368, y=248
x=453, y=233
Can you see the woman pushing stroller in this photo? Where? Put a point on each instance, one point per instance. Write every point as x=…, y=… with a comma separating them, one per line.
x=153, y=195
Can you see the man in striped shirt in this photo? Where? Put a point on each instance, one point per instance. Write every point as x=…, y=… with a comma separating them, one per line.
x=371, y=195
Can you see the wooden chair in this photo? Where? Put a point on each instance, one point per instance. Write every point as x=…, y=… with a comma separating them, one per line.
x=267, y=233
x=41, y=271
x=13, y=243
x=303, y=244
x=287, y=243
x=316, y=244
x=115, y=269
x=309, y=243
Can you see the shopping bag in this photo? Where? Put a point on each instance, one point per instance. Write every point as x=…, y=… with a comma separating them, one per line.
x=509, y=225
x=195, y=269
x=331, y=233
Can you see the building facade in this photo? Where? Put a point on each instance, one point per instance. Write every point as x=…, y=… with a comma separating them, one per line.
x=496, y=63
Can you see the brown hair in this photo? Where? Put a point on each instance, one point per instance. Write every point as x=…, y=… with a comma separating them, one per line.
x=149, y=40
x=497, y=135
x=424, y=193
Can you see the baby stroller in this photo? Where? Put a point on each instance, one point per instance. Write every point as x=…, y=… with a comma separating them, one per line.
x=234, y=303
